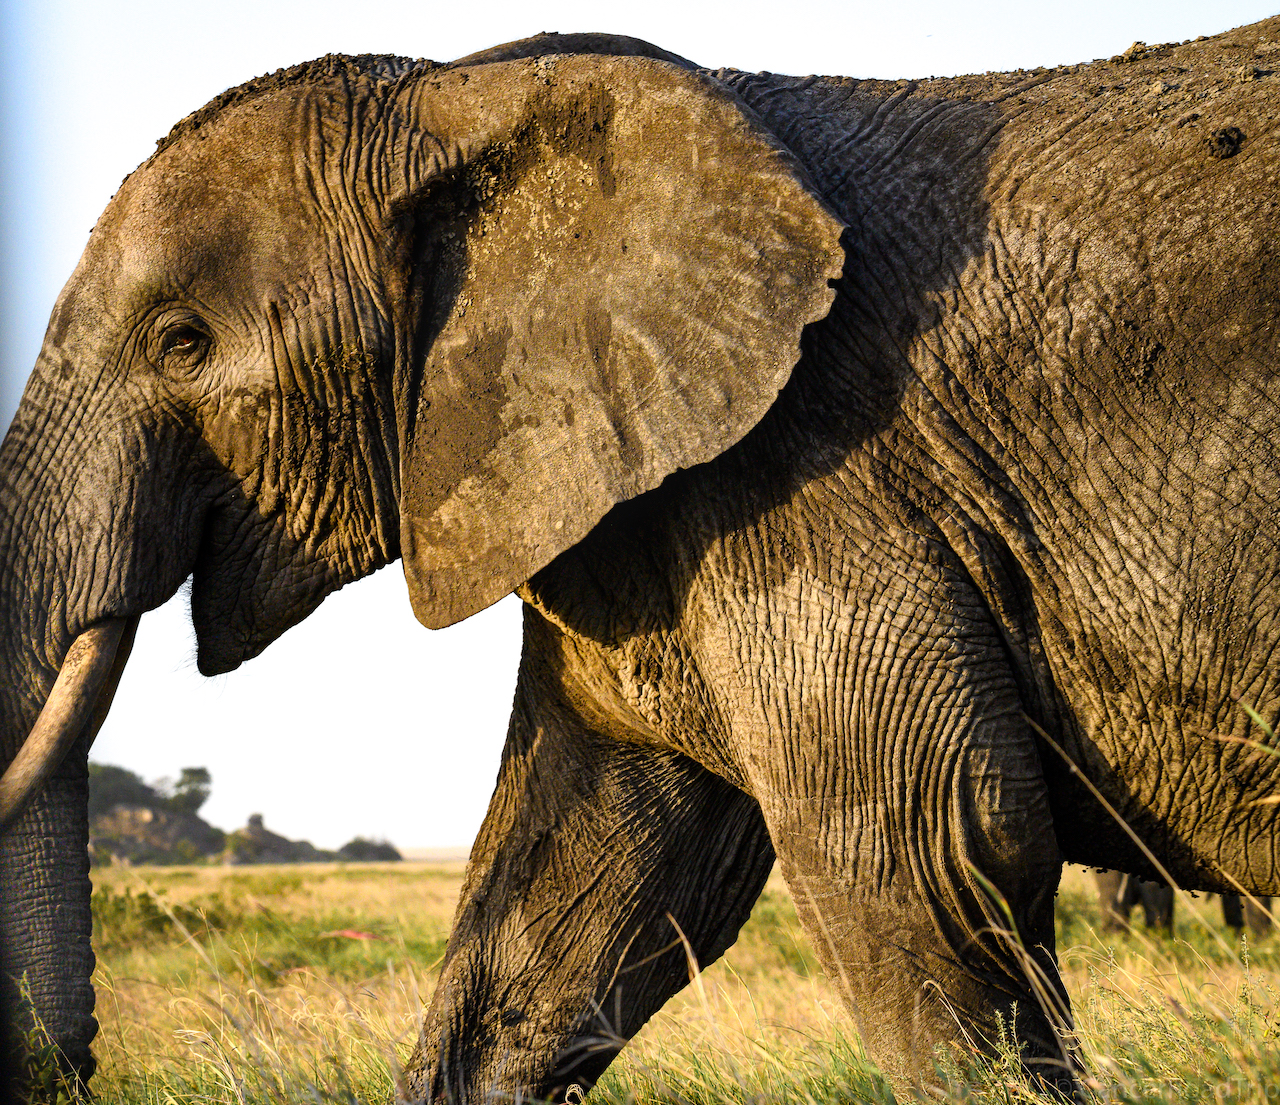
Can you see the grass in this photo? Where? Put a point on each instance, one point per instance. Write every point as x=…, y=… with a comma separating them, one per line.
x=266, y=983
x=304, y=984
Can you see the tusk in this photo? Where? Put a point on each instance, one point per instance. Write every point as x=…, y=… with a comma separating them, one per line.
x=77, y=706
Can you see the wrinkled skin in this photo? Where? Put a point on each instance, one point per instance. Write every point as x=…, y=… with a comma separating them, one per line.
x=916, y=579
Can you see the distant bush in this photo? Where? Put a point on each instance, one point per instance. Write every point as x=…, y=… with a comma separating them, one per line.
x=123, y=920
x=368, y=851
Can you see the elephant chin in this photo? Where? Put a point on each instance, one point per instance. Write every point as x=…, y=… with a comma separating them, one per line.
x=228, y=634
x=217, y=649
x=237, y=615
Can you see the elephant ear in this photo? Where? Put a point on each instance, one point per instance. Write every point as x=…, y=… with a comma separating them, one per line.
x=613, y=262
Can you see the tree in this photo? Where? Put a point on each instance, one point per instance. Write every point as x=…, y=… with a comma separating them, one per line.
x=368, y=851
x=191, y=791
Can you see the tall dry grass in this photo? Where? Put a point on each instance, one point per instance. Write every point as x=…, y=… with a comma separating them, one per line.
x=306, y=983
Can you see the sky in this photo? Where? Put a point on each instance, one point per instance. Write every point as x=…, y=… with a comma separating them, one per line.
x=360, y=721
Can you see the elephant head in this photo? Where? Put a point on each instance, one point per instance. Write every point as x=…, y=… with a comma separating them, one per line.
x=363, y=309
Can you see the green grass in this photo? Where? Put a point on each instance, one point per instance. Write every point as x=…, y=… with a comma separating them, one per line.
x=245, y=936
x=231, y=985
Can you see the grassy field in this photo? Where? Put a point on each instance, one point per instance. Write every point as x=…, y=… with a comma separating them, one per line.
x=304, y=984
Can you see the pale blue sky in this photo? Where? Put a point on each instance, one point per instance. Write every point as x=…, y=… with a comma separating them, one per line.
x=359, y=720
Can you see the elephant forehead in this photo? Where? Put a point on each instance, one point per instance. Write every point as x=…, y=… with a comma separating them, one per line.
x=180, y=228
x=230, y=199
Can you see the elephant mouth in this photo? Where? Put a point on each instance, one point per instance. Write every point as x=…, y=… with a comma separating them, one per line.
x=77, y=705
x=230, y=603
x=238, y=608
x=251, y=583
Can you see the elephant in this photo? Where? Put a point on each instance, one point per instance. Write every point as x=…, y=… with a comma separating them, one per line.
x=1249, y=913
x=1118, y=893
x=888, y=471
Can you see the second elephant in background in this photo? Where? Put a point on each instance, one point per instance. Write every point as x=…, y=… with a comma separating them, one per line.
x=1119, y=893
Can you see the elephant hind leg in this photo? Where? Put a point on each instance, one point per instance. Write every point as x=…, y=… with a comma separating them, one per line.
x=1257, y=915
x=1119, y=892
x=1157, y=905
x=1115, y=899
x=939, y=955
x=1252, y=913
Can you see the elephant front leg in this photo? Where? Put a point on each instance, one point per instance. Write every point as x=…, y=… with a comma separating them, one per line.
x=597, y=861
x=916, y=837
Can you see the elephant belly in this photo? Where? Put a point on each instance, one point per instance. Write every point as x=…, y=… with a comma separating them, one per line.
x=1192, y=801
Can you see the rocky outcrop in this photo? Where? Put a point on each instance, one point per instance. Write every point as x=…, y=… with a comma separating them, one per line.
x=131, y=821
x=255, y=843
x=128, y=833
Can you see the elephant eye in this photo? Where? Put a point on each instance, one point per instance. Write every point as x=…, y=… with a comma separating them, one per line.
x=182, y=346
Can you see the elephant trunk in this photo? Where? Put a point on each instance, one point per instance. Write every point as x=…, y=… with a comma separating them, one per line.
x=48, y=719
x=45, y=927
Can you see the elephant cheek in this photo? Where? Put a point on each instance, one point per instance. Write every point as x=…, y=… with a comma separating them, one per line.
x=239, y=431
